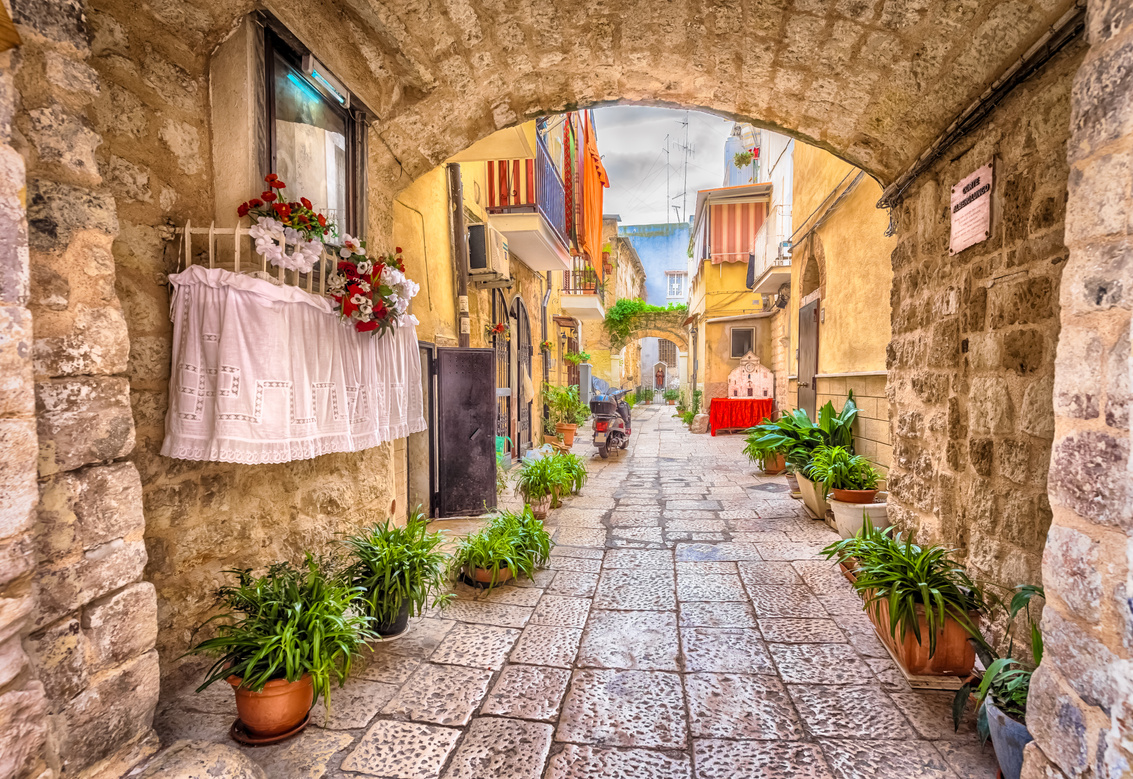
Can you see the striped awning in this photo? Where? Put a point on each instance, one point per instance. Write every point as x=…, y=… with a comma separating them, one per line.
x=732, y=229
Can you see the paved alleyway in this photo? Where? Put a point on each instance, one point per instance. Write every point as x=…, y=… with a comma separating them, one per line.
x=686, y=628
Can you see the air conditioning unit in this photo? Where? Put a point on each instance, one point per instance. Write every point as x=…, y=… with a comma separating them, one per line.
x=487, y=254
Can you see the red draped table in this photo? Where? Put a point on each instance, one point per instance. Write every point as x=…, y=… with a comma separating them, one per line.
x=731, y=413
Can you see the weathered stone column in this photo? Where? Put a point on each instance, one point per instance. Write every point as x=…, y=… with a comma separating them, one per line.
x=1080, y=708
x=94, y=620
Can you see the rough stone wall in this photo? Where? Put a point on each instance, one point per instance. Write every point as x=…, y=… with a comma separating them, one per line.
x=1080, y=709
x=23, y=702
x=94, y=625
x=780, y=343
x=971, y=362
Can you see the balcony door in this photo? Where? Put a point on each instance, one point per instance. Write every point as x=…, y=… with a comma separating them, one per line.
x=808, y=357
x=525, y=387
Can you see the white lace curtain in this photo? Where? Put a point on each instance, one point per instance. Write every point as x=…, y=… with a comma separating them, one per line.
x=268, y=374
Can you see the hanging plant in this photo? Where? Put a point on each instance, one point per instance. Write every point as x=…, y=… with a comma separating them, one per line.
x=278, y=224
x=499, y=328
x=742, y=159
x=373, y=294
x=547, y=346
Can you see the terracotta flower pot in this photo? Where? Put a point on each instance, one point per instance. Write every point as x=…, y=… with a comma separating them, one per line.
x=484, y=575
x=278, y=708
x=855, y=496
x=541, y=508
x=774, y=464
x=567, y=432
x=954, y=655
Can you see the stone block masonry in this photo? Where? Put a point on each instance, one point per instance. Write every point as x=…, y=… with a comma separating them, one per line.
x=972, y=358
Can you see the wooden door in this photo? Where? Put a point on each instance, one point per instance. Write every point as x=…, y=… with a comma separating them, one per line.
x=466, y=425
x=808, y=357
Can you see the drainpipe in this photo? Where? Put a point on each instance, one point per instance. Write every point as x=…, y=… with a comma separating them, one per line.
x=459, y=250
x=546, y=279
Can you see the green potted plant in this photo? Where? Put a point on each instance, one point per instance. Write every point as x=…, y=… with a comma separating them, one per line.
x=921, y=601
x=574, y=358
x=853, y=480
x=513, y=544
x=282, y=639
x=768, y=447
x=399, y=572
x=574, y=471
x=544, y=478
x=670, y=396
x=566, y=410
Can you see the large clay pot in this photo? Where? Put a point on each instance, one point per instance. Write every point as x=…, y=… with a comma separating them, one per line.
x=1009, y=736
x=849, y=517
x=278, y=708
x=397, y=625
x=814, y=496
x=854, y=496
x=773, y=465
x=541, y=508
x=954, y=654
x=567, y=432
x=484, y=576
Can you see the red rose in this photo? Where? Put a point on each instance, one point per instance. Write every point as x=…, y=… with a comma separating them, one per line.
x=397, y=250
x=270, y=177
x=306, y=203
x=365, y=327
x=255, y=202
x=268, y=196
x=349, y=268
x=277, y=184
x=242, y=209
x=322, y=221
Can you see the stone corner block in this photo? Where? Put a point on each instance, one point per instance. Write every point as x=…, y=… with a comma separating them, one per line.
x=193, y=759
x=699, y=424
x=23, y=729
x=121, y=625
x=83, y=420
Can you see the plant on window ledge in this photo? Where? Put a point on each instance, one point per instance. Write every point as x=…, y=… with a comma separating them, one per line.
x=374, y=294
x=278, y=223
x=574, y=358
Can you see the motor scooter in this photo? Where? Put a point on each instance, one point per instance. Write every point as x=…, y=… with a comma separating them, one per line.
x=611, y=418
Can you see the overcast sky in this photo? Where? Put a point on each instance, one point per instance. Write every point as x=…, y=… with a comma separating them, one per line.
x=631, y=140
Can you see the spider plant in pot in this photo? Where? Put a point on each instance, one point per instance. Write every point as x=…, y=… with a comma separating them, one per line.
x=923, y=604
x=513, y=544
x=574, y=472
x=281, y=640
x=398, y=572
x=853, y=480
x=1002, y=691
x=540, y=480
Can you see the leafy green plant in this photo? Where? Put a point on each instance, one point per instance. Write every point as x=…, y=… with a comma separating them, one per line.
x=688, y=416
x=291, y=621
x=574, y=467
x=835, y=467
x=645, y=395
x=512, y=540
x=397, y=565
x=670, y=394
x=550, y=475
x=574, y=358
x=742, y=159
x=564, y=405
x=696, y=396
x=796, y=437
x=623, y=315
x=906, y=576
x=631, y=399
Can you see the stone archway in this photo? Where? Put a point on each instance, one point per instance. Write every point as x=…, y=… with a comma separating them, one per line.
x=114, y=133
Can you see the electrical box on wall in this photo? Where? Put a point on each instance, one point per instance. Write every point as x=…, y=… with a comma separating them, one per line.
x=487, y=254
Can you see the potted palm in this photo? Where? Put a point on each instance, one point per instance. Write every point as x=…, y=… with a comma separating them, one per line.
x=398, y=572
x=853, y=481
x=922, y=603
x=282, y=639
x=513, y=544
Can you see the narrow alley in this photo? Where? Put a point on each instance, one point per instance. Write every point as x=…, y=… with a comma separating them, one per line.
x=686, y=626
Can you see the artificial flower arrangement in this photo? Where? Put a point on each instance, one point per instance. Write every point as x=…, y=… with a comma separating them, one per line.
x=546, y=346
x=373, y=293
x=500, y=328
x=279, y=223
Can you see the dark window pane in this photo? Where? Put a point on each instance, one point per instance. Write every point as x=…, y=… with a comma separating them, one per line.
x=310, y=143
x=742, y=341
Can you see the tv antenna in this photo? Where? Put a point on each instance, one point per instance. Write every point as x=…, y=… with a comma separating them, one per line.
x=685, y=147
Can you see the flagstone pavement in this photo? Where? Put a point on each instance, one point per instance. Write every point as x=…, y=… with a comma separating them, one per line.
x=686, y=626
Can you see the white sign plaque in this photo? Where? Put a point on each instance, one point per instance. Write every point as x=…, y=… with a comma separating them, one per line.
x=971, y=210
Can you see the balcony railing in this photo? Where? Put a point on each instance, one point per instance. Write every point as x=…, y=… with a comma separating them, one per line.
x=531, y=185
x=582, y=279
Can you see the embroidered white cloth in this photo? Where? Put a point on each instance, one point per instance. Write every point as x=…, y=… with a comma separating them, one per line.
x=268, y=374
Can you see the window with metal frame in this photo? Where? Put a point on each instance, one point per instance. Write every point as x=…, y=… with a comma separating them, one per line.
x=676, y=284
x=316, y=133
x=667, y=352
x=743, y=341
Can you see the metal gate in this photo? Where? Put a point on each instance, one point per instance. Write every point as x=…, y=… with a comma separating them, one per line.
x=466, y=445
x=808, y=357
x=503, y=366
x=523, y=353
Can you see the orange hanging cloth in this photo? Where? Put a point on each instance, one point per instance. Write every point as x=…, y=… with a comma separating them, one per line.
x=594, y=180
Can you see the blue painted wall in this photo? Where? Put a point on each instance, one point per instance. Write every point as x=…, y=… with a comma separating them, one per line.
x=661, y=247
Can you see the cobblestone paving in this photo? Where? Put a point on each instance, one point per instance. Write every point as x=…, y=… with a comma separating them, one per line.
x=686, y=628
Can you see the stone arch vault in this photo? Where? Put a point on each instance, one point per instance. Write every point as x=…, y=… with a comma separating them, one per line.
x=109, y=142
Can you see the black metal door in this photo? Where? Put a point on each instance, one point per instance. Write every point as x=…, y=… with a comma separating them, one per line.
x=502, y=368
x=466, y=420
x=808, y=357
x=421, y=448
x=523, y=354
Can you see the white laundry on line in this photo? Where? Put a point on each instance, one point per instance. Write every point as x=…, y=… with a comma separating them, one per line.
x=269, y=374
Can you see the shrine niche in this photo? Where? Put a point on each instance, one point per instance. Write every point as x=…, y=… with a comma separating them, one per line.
x=751, y=379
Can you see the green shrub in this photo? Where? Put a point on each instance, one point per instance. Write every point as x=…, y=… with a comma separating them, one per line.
x=544, y=475
x=796, y=437
x=687, y=417
x=670, y=394
x=397, y=565
x=564, y=405
x=511, y=540
x=835, y=467
x=289, y=622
